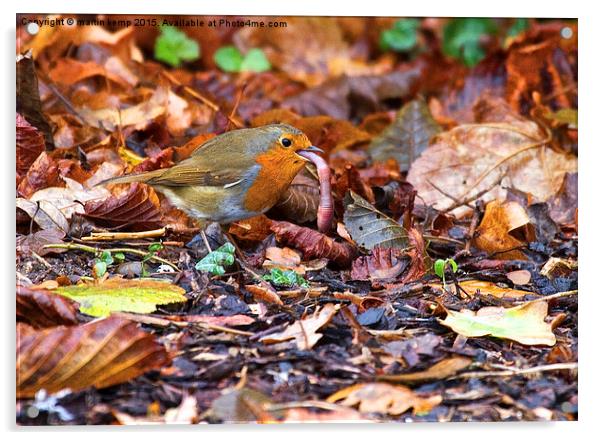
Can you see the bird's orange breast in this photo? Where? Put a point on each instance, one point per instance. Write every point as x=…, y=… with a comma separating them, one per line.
x=278, y=167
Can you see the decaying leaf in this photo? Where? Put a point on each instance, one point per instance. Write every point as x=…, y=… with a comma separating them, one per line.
x=244, y=405
x=138, y=209
x=101, y=353
x=441, y=370
x=313, y=244
x=384, y=398
x=471, y=287
x=299, y=203
x=122, y=295
x=505, y=228
x=26, y=244
x=381, y=264
x=252, y=229
x=304, y=331
x=264, y=293
x=563, y=205
x=369, y=227
x=41, y=308
x=407, y=137
x=524, y=323
x=30, y=144
x=471, y=158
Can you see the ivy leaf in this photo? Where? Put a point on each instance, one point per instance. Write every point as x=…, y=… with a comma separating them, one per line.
x=215, y=261
x=462, y=36
x=173, y=47
x=255, y=61
x=402, y=37
x=228, y=58
x=288, y=278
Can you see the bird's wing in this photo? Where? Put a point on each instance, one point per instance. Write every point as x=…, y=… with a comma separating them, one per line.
x=191, y=175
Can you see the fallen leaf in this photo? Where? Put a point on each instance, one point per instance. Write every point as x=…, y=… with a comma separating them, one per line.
x=369, y=227
x=304, y=331
x=380, y=264
x=384, y=399
x=558, y=267
x=29, y=104
x=471, y=287
x=185, y=414
x=299, y=203
x=524, y=323
x=504, y=229
x=30, y=144
x=284, y=258
x=441, y=370
x=101, y=353
x=44, y=214
x=519, y=277
x=264, y=293
x=342, y=415
x=411, y=349
x=26, y=244
x=137, y=209
x=42, y=308
x=407, y=137
x=69, y=71
x=122, y=295
x=243, y=405
x=42, y=173
x=312, y=243
x=563, y=205
x=469, y=159
x=253, y=229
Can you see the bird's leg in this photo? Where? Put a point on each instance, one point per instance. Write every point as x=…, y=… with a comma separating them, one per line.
x=205, y=240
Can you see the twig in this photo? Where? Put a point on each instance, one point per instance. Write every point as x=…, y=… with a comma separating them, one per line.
x=236, y=104
x=115, y=236
x=516, y=371
x=554, y=296
x=81, y=247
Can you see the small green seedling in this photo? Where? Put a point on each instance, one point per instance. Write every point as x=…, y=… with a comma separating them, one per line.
x=104, y=260
x=441, y=265
x=229, y=59
x=402, y=37
x=286, y=278
x=173, y=46
x=216, y=261
x=153, y=248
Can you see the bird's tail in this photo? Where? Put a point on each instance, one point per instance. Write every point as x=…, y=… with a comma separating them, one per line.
x=130, y=178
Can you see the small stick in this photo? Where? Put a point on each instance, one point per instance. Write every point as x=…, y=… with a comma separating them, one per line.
x=81, y=247
x=115, y=236
x=516, y=371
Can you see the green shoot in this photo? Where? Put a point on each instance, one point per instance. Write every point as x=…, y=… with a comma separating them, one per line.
x=216, y=261
x=440, y=267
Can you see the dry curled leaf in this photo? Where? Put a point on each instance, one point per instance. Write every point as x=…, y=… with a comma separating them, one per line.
x=407, y=137
x=264, y=293
x=41, y=308
x=380, y=264
x=43, y=173
x=101, y=353
x=313, y=244
x=137, y=209
x=524, y=323
x=299, y=203
x=441, y=370
x=505, y=229
x=471, y=287
x=384, y=399
x=304, y=331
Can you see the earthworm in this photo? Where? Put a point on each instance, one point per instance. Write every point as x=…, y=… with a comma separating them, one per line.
x=325, y=207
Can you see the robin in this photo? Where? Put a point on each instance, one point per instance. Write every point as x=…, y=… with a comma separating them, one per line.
x=233, y=176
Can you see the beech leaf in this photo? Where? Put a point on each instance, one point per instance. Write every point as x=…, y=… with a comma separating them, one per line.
x=41, y=308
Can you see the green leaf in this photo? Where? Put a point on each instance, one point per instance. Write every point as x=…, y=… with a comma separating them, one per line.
x=119, y=256
x=462, y=36
x=100, y=268
x=106, y=257
x=173, y=47
x=439, y=268
x=520, y=25
x=525, y=323
x=228, y=58
x=255, y=61
x=215, y=261
x=287, y=278
x=402, y=37
x=122, y=295
x=155, y=247
x=453, y=264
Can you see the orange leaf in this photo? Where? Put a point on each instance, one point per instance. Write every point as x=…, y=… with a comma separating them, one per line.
x=101, y=354
x=41, y=308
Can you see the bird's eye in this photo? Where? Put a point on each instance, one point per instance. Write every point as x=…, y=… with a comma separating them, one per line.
x=286, y=142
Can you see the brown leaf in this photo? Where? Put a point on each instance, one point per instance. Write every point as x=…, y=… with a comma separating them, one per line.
x=304, y=331
x=471, y=287
x=30, y=144
x=384, y=399
x=407, y=137
x=313, y=244
x=253, y=229
x=137, y=209
x=380, y=264
x=411, y=349
x=69, y=71
x=26, y=244
x=101, y=353
x=504, y=228
x=284, y=258
x=28, y=98
x=264, y=293
x=470, y=159
x=441, y=370
x=419, y=258
x=299, y=203
x=563, y=205
x=42, y=308
x=331, y=134
x=42, y=173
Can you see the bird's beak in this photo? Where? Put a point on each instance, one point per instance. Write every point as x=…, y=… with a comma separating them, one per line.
x=306, y=153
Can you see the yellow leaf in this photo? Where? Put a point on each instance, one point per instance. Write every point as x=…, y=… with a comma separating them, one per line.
x=524, y=323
